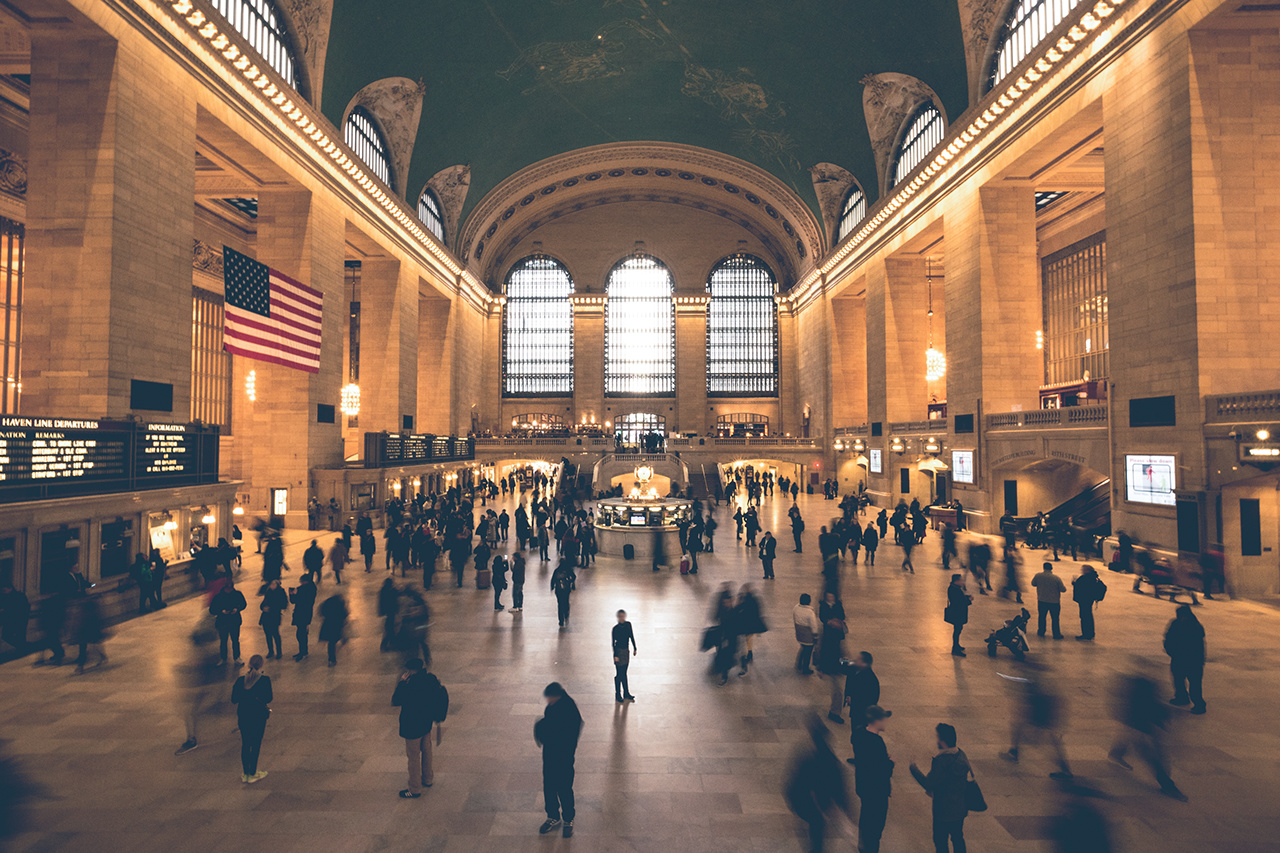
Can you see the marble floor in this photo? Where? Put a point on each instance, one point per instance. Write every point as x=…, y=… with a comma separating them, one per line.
x=690, y=766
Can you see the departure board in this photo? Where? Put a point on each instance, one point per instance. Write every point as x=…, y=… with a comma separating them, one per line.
x=48, y=457
x=384, y=449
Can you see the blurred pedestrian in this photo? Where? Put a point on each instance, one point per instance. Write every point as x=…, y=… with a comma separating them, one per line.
x=816, y=785
x=89, y=633
x=830, y=664
x=1143, y=720
x=388, y=609
x=517, y=582
x=333, y=616
x=808, y=628
x=1037, y=717
x=557, y=734
x=15, y=612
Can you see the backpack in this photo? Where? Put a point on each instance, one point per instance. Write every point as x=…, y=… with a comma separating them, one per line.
x=1101, y=589
x=439, y=701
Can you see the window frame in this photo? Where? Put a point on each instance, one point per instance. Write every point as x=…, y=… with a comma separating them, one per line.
x=772, y=335
x=914, y=133
x=664, y=379
x=256, y=20
x=843, y=226
x=373, y=140
x=568, y=376
x=434, y=220
x=1020, y=16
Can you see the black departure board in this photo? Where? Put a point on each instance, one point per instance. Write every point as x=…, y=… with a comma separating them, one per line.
x=386, y=449
x=49, y=457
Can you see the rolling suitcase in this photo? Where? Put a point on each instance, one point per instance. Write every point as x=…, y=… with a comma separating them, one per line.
x=483, y=578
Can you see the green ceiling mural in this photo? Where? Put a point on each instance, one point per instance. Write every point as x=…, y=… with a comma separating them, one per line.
x=774, y=82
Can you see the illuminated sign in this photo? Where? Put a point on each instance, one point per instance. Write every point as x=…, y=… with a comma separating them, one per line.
x=876, y=460
x=962, y=466
x=1150, y=479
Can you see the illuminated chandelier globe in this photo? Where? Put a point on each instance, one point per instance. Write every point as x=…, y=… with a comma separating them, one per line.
x=351, y=400
x=642, y=490
x=935, y=365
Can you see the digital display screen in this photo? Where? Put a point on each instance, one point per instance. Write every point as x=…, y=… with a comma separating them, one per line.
x=1150, y=479
x=46, y=457
x=962, y=466
x=638, y=519
x=876, y=460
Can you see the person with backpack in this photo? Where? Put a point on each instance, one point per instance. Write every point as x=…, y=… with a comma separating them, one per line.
x=424, y=703
x=1087, y=590
x=563, y=580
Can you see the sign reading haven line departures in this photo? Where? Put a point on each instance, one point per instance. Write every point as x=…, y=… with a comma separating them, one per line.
x=44, y=457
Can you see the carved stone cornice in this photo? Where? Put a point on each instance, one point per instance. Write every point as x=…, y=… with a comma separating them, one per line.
x=206, y=258
x=13, y=174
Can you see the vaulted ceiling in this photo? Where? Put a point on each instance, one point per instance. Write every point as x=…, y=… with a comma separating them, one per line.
x=511, y=82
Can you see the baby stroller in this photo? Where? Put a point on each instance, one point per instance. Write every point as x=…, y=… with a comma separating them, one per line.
x=1013, y=636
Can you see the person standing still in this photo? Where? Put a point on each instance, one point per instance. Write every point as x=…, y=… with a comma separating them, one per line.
x=957, y=613
x=517, y=582
x=424, y=703
x=338, y=558
x=945, y=784
x=873, y=776
x=557, y=734
x=768, y=553
x=333, y=620
x=313, y=561
x=226, y=607
x=807, y=630
x=870, y=542
x=275, y=601
x=1184, y=643
x=303, y=599
x=1049, y=590
x=252, y=696
x=624, y=646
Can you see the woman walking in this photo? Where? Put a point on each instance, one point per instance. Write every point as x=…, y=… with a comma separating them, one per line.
x=252, y=697
x=275, y=601
x=624, y=645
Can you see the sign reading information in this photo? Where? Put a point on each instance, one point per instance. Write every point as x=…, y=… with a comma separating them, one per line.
x=50, y=457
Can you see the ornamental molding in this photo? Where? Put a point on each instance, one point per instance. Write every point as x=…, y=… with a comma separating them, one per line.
x=396, y=103
x=978, y=22
x=832, y=184
x=13, y=174
x=206, y=258
x=888, y=100
x=310, y=21
x=451, y=186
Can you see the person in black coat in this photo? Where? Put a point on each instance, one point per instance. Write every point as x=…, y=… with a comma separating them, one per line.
x=15, y=612
x=274, y=603
x=623, y=642
x=871, y=541
x=957, y=613
x=304, y=602
x=873, y=776
x=945, y=784
x=768, y=553
x=226, y=608
x=424, y=703
x=1184, y=643
x=313, y=560
x=251, y=694
x=333, y=615
x=272, y=559
x=749, y=622
x=817, y=785
x=557, y=733
x=861, y=688
x=517, y=582
x=388, y=609
x=498, y=580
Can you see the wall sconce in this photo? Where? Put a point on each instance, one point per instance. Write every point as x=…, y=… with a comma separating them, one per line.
x=859, y=445
x=897, y=446
x=207, y=516
x=169, y=523
x=932, y=446
x=350, y=400
x=237, y=510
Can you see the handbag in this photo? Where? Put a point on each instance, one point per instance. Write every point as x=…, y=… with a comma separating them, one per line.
x=973, y=799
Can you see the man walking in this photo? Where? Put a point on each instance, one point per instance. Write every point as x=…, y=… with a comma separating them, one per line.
x=1049, y=590
x=424, y=703
x=562, y=583
x=303, y=599
x=945, y=784
x=807, y=628
x=873, y=776
x=557, y=733
x=870, y=542
x=1184, y=643
x=1087, y=590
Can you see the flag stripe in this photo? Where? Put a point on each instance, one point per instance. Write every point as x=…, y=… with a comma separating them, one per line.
x=270, y=316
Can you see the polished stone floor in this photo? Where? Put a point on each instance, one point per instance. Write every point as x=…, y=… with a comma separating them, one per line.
x=690, y=766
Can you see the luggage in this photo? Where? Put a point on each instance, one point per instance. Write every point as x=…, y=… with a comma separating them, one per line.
x=628, y=551
x=483, y=578
x=685, y=564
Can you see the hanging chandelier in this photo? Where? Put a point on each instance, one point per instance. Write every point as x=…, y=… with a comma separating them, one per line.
x=935, y=363
x=351, y=400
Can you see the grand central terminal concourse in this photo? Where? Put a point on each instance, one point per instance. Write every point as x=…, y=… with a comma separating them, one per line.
x=636, y=426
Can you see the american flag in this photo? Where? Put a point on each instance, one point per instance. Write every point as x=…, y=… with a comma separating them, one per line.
x=269, y=316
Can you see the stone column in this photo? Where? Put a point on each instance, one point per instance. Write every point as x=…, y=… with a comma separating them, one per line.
x=588, y=357
x=897, y=336
x=691, y=364
x=110, y=202
x=389, y=332
x=849, y=361
x=435, y=357
x=284, y=436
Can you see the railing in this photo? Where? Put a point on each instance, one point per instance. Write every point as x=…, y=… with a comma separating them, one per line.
x=853, y=430
x=567, y=441
x=1226, y=408
x=901, y=427
x=1064, y=418
x=597, y=445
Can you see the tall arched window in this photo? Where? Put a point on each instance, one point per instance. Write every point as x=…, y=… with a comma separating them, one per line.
x=261, y=24
x=429, y=212
x=742, y=329
x=364, y=138
x=537, y=329
x=853, y=212
x=635, y=426
x=639, y=328
x=924, y=132
x=1028, y=24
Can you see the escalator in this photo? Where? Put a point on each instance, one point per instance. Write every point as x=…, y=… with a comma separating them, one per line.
x=704, y=484
x=1090, y=510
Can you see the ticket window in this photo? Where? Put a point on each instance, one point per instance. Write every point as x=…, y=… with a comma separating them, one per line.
x=117, y=548
x=59, y=554
x=162, y=533
x=9, y=563
x=364, y=497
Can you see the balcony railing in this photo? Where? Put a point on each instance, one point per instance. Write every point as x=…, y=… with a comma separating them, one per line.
x=597, y=445
x=1229, y=408
x=1069, y=417
x=852, y=430
x=909, y=427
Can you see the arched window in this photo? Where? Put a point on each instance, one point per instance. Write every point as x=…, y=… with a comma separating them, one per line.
x=639, y=328
x=364, y=138
x=635, y=426
x=263, y=27
x=537, y=329
x=924, y=132
x=1028, y=24
x=742, y=329
x=854, y=211
x=429, y=213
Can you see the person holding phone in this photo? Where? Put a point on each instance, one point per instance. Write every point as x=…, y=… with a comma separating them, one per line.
x=424, y=703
